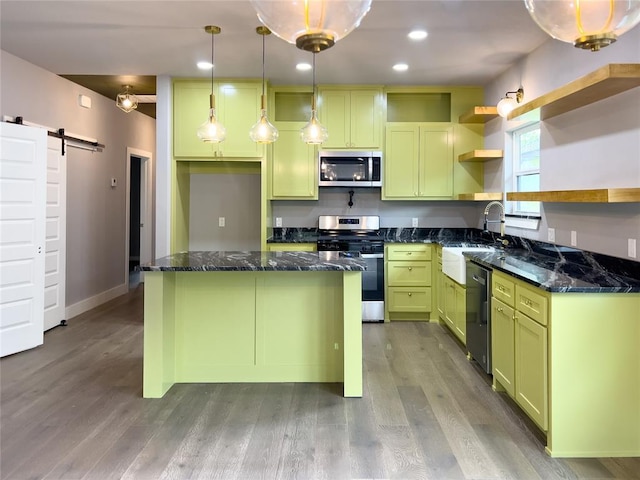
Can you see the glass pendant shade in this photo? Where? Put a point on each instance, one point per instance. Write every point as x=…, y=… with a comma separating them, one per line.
x=587, y=24
x=312, y=25
x=212, y=131
x=314, y=133
x=263, y=131
x=127, y=101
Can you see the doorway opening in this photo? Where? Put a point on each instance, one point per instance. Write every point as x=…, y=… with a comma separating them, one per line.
x=139, y=222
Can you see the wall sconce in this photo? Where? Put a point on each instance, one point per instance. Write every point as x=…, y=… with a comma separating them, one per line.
x=212, y=131
x=507, y=103
x=126, y=101
x=311, y=25
x=588, y=24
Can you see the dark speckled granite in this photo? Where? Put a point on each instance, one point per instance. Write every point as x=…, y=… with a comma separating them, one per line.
x=553, y=274
x=555, y=268
x=255, y=261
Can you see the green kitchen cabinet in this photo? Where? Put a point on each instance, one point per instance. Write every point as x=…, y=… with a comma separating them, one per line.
x=439, y=283
x=455, y=308
x=503, y=345
x=408, y=281
x=293, y=168
x=237, y=108
x=418, y=162
x=353, y=117
x=531, y=368
x=519, y=339
x=291, y=247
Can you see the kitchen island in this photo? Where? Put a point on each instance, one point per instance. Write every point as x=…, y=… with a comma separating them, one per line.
x=218, y=317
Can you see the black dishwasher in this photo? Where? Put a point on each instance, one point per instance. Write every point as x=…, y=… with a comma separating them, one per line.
x=479, y=314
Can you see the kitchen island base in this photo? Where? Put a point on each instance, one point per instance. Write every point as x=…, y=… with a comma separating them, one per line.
x=252, y=326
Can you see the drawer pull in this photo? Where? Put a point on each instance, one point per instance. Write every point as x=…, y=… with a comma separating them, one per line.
x=410, y=268
x=409, y=294
x=500, y=309
x=408, y=253
x=501, y=288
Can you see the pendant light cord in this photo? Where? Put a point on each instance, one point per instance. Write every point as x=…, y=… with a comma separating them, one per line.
x=212, y=56
x=263, y=35
x=313, y=93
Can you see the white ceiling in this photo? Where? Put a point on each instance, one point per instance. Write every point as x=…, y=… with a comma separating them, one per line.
x=470, y=41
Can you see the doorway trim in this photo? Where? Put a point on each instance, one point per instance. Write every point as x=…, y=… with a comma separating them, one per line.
x=146, y=217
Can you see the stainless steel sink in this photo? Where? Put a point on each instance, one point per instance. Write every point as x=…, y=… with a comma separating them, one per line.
x=453, y=262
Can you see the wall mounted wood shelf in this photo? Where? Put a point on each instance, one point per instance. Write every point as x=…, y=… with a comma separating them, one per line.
x=479, y=114
x=600, y=195
x=480, y=155
x=602, y=83
x=480, y=196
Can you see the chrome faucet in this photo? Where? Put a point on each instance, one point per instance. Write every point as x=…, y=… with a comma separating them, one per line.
x=502, y=219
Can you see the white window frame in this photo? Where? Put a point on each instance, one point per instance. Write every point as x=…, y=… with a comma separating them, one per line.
x=515, y=208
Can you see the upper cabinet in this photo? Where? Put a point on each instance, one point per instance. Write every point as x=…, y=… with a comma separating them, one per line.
x=353, y=117
x=237, y=107
x=418, y=162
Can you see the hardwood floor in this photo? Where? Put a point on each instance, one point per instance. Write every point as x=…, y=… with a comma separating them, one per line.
x=72, y=409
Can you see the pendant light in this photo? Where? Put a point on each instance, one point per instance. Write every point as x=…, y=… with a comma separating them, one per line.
x=588, y=24
x=212, y=131
x=312, y=25
x=127, y=101
x=263, y=131
x=314, y=133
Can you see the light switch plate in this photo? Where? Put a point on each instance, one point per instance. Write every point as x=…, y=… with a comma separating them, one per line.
x=278, y=221
x=221, y=221
x=631, y=246
x=551, y=234
x=114, y=182
x=574, y=238
x=414, y=222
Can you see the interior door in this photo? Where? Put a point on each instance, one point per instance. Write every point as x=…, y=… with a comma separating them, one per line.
x=56, y=226
x=23, y=152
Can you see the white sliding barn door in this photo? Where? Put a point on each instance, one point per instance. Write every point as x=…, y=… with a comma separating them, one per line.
x=23, y=152
x=55, y=257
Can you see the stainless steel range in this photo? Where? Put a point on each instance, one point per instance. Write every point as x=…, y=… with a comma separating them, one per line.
x=359, y=235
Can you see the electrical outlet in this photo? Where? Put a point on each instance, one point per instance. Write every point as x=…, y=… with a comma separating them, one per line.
x=551, y=234
x=632, y=247
x=278, y=221
x=574, y=238
x=221, y=221
x=414, y=222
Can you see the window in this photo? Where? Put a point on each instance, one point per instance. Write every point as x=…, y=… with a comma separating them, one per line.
x=526, y=166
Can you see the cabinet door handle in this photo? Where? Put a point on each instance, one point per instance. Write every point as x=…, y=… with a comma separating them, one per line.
x=409, y=294
x=410, y=268
x=408, y=253
x=500, y=309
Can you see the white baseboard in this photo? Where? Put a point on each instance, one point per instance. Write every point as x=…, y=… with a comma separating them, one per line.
x=92, y=302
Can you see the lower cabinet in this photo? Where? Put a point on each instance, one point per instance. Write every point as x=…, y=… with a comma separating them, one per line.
x=291, y=247
x=455, y=308
x=408, y=281
x=519, y=345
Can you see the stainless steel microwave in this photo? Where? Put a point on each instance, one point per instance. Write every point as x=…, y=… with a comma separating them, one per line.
x=349, y=169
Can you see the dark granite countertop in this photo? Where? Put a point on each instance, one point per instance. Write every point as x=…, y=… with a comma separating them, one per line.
x=199, y=261
x=554, y=274
x=551, y=267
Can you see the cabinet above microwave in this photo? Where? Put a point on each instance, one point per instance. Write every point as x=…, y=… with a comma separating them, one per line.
x=349, y=168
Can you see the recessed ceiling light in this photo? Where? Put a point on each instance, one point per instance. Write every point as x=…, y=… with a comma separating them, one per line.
x=401, y=67
x=417, y=34
x=205, y=65
x=303, y=67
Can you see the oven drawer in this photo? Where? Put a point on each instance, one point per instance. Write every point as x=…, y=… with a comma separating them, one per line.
x=408, y=274
x=409, y=251
x=405, y=299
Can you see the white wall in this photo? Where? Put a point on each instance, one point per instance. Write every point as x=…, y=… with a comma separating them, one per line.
x=96, y=215
x=596, y=146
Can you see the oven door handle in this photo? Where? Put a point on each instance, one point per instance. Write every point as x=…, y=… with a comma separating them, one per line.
x=372, y=255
